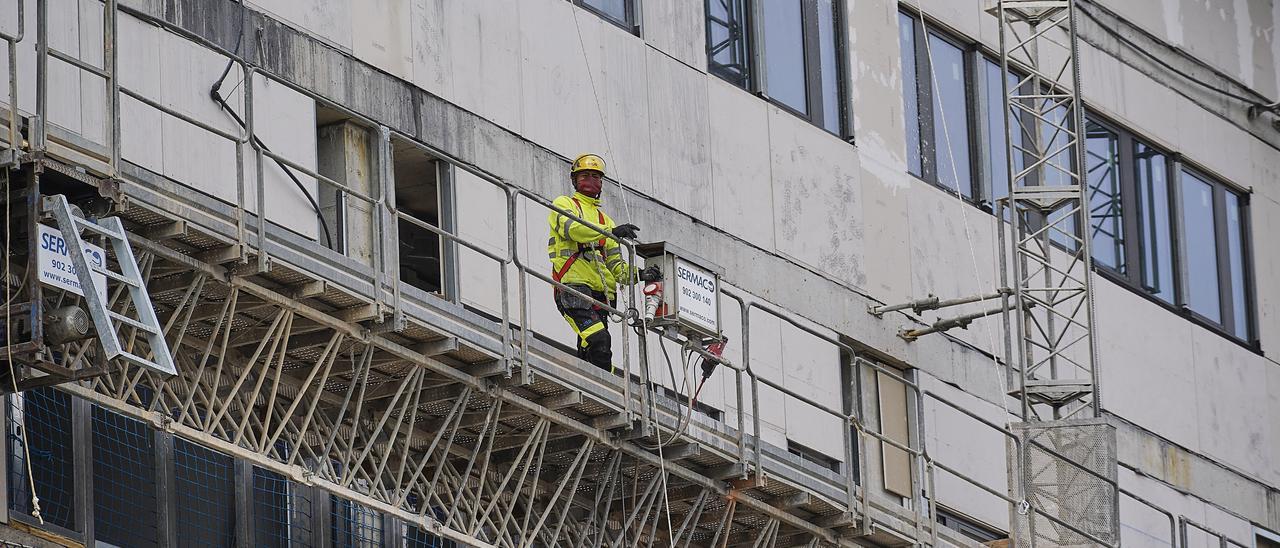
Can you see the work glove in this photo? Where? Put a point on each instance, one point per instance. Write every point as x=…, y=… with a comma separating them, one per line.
x=627, y=231
x=651, y=274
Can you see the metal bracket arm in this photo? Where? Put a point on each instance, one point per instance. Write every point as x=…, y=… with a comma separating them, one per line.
x=932, y=302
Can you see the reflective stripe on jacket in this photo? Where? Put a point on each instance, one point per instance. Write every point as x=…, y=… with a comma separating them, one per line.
x=599, y=264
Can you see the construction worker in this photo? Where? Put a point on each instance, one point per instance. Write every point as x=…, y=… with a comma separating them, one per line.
x=586, y=260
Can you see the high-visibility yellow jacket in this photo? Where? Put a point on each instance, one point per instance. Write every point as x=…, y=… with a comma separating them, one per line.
x=599, y=263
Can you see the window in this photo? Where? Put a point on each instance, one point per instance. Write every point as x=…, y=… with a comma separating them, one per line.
x=950, y=115
x=1215, y=253
x=205, y=493
x=968, y=527
x=1129, y=209
x=996, y=161
x=46, y=413
x=800, y=55
x=281, y=511
x=423, y=197
x=1236, y=265
x=1155, y=230
x=814, y=456
x=936, y=97
x=124, y=481
x=618, y=12
x=1166, y=231
x=1201, y=247
x=910, y=94
x=728, y=55
x=784, y=53
x=420, y=538
x=354, y=525
x=895, y=424
x=1266, y=540
x=1183, y=242
x=1102, y=163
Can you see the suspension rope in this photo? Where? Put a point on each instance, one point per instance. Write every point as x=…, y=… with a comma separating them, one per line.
x=626, y=206
x=1000, y=378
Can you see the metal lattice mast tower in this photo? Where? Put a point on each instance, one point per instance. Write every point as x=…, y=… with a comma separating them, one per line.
x=1062, y=469
x=1055, y=363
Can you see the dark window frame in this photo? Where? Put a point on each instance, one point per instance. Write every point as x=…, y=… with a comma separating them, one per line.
x=1175, y=164
x=968, y=527
x=985, y=193
x=632, y=25
x=1130, y=268
x=742, y=43
x=1226, y=304
x=814, y=456
x=754, y=77
x=972, y=56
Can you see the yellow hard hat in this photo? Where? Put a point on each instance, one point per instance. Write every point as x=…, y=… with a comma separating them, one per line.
x=587, y=162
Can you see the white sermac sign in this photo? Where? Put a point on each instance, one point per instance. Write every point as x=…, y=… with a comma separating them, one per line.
x=56, y=268
x=698, y=295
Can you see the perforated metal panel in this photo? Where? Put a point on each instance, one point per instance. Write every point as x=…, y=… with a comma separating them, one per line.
x=1068, y=471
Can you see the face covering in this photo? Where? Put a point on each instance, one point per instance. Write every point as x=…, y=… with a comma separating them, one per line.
x=590, y=186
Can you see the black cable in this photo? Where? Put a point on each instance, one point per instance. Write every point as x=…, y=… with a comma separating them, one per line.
x=217, y=98
x=1116, y=34
x=234, y=51
x=328, y=238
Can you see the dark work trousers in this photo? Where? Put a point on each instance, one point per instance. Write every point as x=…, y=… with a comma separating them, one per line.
x=590, y=323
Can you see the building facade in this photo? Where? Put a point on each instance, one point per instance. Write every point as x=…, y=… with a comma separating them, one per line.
x=343, y=242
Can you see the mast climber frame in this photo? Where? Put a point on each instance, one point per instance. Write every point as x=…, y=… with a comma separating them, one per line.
x=1065, y=460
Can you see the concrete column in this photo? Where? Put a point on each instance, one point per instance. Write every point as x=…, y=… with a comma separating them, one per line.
x=345, y=154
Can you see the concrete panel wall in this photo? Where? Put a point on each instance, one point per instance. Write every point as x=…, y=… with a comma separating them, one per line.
x=1236, y=36
x=1133, y=364
x=328, y=20
x=461, y=49
x=557, y=99
x=476, y=202
x=741, y=178
x=1230, y=396
x=970, y=447
x=286, y=122
x=178, y=73
x=679, y=136
x=1141, y=526
x=675, y=28
x=816, y=198
x=381, y=33
x=1266, y=258
x=812, y=370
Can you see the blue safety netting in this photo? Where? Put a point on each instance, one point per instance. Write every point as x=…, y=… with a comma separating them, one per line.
x=205, y=495
x=281, y=511
x=124, y=487
x=415, y=537
x=47, y=415
x=354, y=525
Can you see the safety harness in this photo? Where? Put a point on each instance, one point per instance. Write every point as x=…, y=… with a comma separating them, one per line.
x=557, y=275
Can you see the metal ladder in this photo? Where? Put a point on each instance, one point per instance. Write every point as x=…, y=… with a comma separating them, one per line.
x=106, y=321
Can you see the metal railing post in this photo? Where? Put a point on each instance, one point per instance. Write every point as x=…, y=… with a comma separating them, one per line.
x=15, y=139
x=513, y=254
x=259, y=159
x=36, y=130
x=377, y=210
x=111, y=58
x=391, y=227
